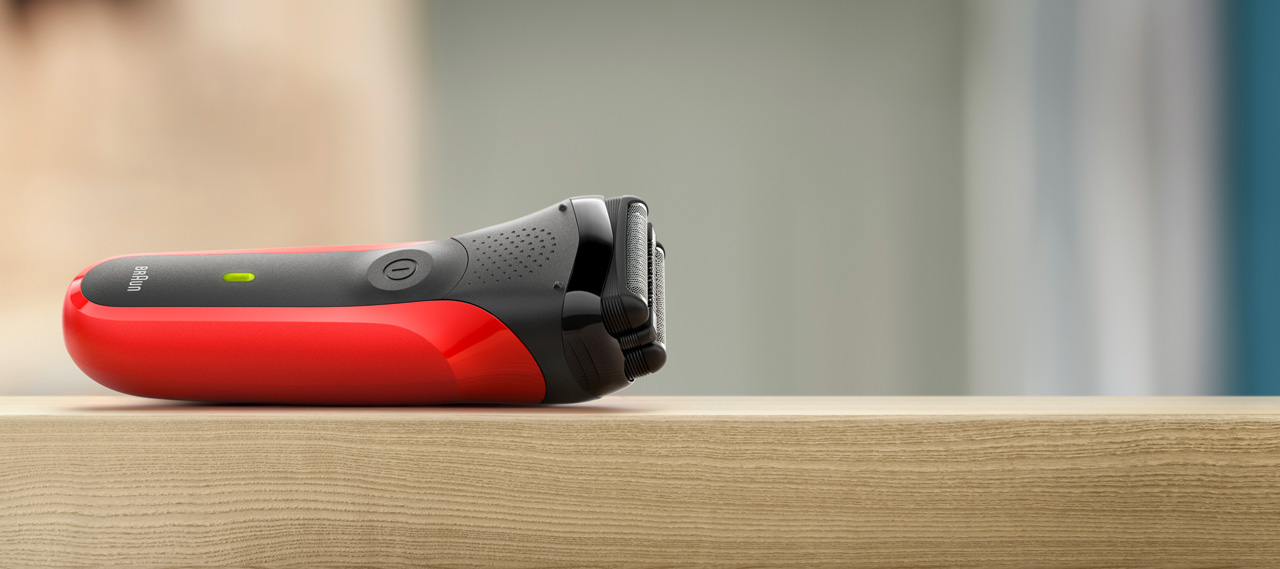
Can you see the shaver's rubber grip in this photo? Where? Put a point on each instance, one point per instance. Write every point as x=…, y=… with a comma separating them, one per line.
x=519, y=272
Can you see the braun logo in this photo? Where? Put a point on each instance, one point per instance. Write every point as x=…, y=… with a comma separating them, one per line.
x=139, y=277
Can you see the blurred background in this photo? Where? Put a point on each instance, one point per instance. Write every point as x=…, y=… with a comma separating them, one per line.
x=858, y=197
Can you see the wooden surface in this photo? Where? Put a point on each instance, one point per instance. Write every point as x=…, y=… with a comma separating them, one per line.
x=644, y=482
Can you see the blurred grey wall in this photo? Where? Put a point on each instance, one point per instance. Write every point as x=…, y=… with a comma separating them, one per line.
x=802, y=161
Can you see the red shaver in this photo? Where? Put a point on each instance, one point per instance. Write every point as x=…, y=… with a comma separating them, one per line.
x=563, y=305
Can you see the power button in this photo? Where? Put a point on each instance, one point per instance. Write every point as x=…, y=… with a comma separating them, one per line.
x=399, y=270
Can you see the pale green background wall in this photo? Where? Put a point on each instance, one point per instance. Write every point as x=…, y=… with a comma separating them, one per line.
x=802, y=161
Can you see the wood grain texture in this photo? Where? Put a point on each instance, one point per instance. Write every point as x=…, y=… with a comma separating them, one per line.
x=644, y=482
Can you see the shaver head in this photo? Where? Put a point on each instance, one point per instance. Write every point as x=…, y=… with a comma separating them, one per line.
x=597, y=263
x=630, y=290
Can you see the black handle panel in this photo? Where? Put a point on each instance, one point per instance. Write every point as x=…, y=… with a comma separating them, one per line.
x=426, y=271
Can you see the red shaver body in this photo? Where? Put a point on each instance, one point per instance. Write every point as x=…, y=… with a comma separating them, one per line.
x=548, y=308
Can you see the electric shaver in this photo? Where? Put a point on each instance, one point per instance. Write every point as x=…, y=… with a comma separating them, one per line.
x=563, y=305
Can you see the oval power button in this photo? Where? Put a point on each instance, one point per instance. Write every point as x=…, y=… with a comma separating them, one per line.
x=400, y=270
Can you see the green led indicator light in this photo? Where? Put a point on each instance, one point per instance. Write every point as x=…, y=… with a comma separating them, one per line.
x=237, y=277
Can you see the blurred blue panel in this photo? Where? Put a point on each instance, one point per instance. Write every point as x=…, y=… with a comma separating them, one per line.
x=1254, y=168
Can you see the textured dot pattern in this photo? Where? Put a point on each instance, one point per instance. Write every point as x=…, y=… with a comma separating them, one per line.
x=510, y=255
